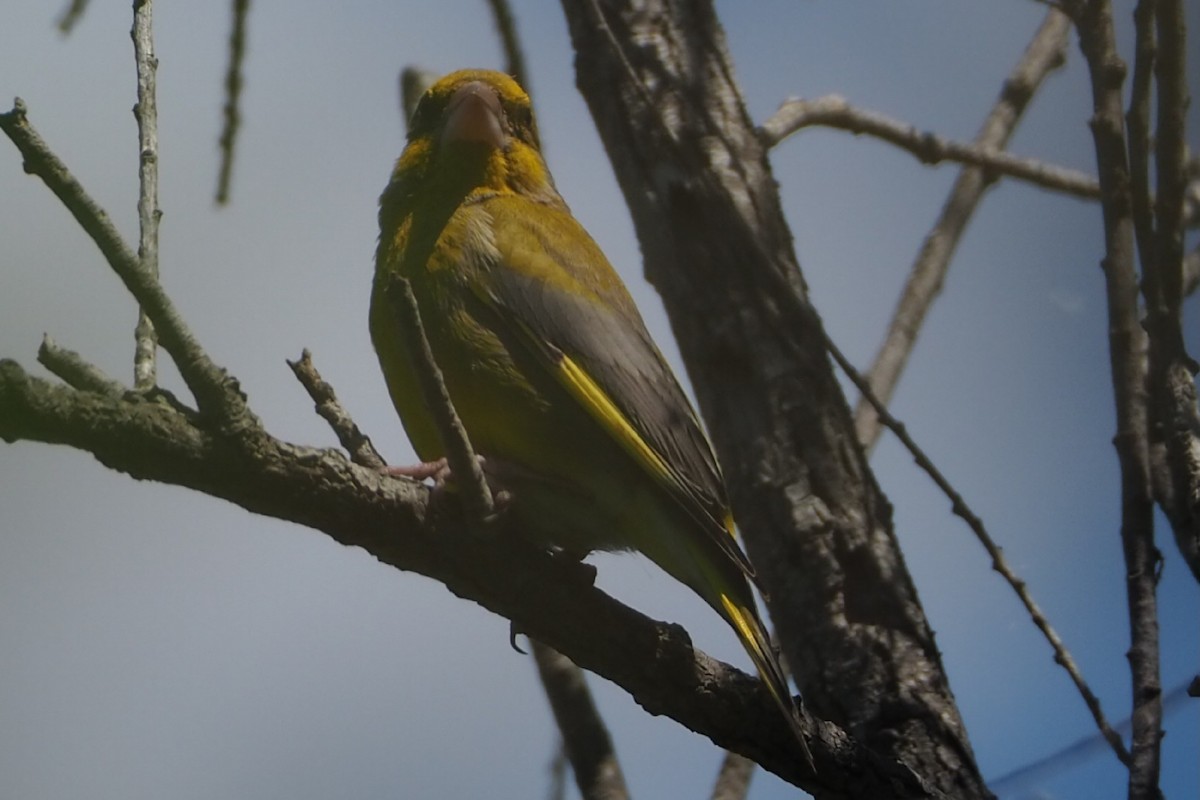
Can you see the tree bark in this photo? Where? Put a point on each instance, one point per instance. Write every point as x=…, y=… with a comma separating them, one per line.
x=659, y=83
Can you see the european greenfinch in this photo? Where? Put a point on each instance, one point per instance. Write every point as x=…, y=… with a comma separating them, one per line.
x=547, y=362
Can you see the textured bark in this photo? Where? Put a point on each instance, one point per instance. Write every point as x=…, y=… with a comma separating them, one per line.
x=659, y=84
x=153, y=437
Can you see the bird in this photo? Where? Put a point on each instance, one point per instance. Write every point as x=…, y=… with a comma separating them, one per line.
x=546, y=359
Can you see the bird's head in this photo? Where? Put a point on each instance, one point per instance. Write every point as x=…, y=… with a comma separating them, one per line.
x=473, y=132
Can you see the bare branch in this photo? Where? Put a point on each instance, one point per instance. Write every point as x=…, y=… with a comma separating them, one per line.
x=460, y=456
x=215, y=393
x=360, y=507
x=733, y=781
x=71, y=15
x=233, y=92
x=1000, y=564
x=834, y=111
x=68, y=365
x=149, y=214
x=1127, y=346
x=1045, y=53
x=357, y=443
x=585, y=736
x=514, y=56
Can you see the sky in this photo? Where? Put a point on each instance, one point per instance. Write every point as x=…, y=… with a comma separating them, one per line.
x=159, y=643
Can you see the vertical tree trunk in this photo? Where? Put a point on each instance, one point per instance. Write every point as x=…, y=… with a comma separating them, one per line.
x=659, y=83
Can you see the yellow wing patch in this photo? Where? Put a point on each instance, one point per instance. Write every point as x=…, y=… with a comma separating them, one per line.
x=580, y=384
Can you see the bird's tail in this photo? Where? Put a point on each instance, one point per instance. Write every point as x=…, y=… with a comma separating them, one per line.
x=754, y=638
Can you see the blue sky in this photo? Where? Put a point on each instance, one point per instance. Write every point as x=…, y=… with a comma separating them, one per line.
x=158, y=643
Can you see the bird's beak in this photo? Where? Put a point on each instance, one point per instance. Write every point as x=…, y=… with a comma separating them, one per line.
x=474, y=115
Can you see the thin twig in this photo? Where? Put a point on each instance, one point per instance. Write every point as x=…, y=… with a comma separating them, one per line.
x=149, y=214
x=959, y=507
x=356, y=443
x=834, y=111
x=585, y=737
x=215, y=392
x=71, y=15
x=514, y=57
x=1045, y=52
x=233, y=91
x=460, y=456
x=75, y=372
x=1127, y=346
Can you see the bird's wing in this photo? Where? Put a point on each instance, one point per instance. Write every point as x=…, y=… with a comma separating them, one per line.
x=558, y=293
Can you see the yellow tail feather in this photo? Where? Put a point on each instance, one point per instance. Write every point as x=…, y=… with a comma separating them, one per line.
x=754, y=638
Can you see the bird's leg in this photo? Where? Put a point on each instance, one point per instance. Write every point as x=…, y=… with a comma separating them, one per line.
x=443, y=480
x=438, y=470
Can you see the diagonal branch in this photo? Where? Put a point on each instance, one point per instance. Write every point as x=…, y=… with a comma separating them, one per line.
x=361, y=507
x=215, y=392
x=1062, y=656
x=834, y=111
x=585, y=737
x=1045, y=53
x=356, y=443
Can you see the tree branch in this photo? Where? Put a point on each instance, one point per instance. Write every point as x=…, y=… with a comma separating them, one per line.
x=510, y=42
x=149, y=214
x=1062, y=656
x=233, y=92
x=834, y=111
x=694, y=172
x=1172, y=370
x=71, y=368
x=585, y=737
x=356, y=443
x=215, y=392
x=1045, y=53
x=360, y=507
x=1127, y=346
x=733, y=780
x=71, y=15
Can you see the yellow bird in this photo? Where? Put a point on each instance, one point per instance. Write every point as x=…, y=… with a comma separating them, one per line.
x=546, y=359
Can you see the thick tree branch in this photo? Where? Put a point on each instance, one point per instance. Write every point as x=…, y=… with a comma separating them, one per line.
x=1044, y=54
x=693, y=169
x=154, y=440
x=1172, y=370
x=834, y=111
